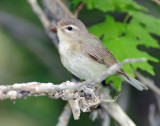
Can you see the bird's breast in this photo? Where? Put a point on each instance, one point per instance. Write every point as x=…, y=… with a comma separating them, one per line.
x=78, y=63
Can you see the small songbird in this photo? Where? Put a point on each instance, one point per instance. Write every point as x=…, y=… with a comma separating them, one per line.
x=84, y=55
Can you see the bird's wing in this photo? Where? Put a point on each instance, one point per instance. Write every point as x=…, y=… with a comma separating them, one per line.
x=93, y=47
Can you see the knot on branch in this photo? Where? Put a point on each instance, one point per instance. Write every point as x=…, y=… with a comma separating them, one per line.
x=83, y=99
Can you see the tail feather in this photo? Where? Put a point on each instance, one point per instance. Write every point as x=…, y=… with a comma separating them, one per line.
x=134, y=82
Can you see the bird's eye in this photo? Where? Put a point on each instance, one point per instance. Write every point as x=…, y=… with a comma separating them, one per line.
x=69, y=28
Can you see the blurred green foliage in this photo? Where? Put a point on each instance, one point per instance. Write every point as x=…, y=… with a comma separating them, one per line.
x=122, y=38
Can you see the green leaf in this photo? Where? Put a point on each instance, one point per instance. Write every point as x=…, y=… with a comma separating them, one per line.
x=111, y=5
x=116, y=81
x=151, y=23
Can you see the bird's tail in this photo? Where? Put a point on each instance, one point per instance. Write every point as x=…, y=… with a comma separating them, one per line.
x=133, y=82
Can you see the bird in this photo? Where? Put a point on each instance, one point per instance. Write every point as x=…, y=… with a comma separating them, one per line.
x=84, y=55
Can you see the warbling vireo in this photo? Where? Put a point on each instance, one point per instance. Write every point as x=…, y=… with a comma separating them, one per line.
x=84, y=55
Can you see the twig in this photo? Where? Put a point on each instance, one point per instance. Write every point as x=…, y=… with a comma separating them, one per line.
x=65, y=9
x=75, y=108
x=158, y=102
x=29, y=36
x=157, y=2
x=31, y=89
x=65, y=116
x=94, y=115
x=52, y=10
x=114, y=110
x=126, y=18
x=79, y=9
x=118, y=114
x=152, y=117
x=148, y=82
x=45, y=22
x=105, y=118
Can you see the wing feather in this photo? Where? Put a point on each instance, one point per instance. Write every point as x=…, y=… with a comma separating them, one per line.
x=99, y=52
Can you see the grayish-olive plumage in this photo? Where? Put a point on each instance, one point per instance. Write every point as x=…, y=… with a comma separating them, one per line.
x=84, y=55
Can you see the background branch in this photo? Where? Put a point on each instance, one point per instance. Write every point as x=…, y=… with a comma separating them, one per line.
x=45, y=22
x=157, y=2
x=31, y=37
x=80, y=7
x=148, y=82
x=65, y=9
x=65, y=116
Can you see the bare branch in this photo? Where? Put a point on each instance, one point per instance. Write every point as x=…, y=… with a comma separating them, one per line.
x=157, y=2
x=52, y=10
x=114, y=110
x=82, y=99
x=79, y=9
x=118, y=114
x=29, y=36
x=158, y=102
x=148, y=82
x=41, y=88
x=65, y=116
x=105, y=117
x=153, y=118
x=65, y=9
x=31, y=89
x=79, y=97
x=45, y=22
x=75, y=108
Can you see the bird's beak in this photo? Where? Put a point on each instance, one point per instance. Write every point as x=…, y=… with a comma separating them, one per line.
x=53, y=26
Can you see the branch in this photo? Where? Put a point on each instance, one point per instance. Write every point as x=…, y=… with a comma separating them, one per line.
x=157, y=2
x=153, y=117
x=42, y=89
x=148, y=82
x=45, y=22
x=65, y=116
x=29, y=36
x=85, y=98
x=65, y=9
x=118, y=114
x=79, y=9
x=105, y=118
x=114, y=110
x=79, y=96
